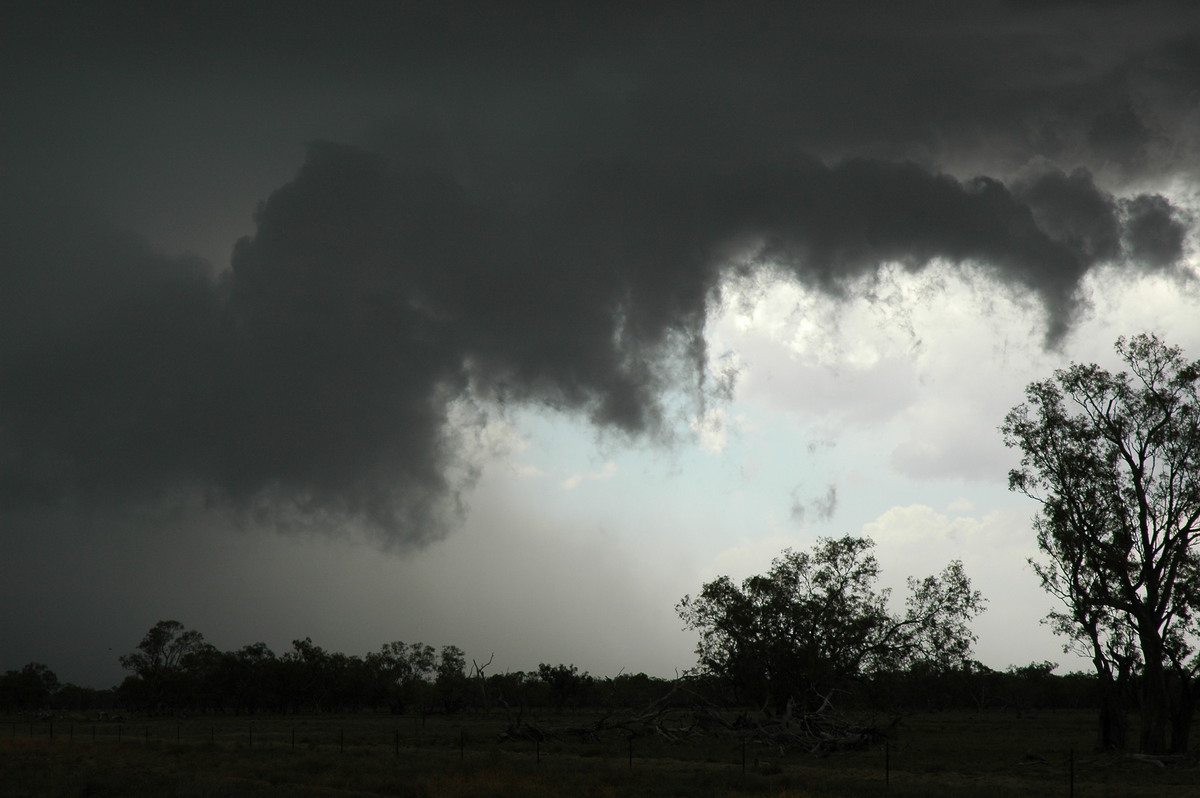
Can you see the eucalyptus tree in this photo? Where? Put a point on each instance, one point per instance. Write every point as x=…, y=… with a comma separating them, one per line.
x=404, y=673
x=1114, y=460
x=30, y=688
x=815, y=621
x=164, y=666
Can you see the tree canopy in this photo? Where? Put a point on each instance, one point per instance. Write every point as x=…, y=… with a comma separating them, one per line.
x=789, y=637
x=1114, y=461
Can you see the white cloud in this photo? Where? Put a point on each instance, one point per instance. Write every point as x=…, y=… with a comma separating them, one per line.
x=868, y=359
x=911, y=381
x=712, y=429
x=995, y=546
x=954, y=438
x=960, y=505
x=485, y=435
x=920, y=524
x=608, y=471
x=752, y=556
x=526, y=471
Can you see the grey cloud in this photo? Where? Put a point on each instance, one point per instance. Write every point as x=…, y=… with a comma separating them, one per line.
x=1072, y=210
x=1145, y=229
x=1154, y=231
x=799, y=508
x=106, y=360
x=815, y=446
x=315, y=381
x=918, y=80
x=1120, y=136
x=826, y=505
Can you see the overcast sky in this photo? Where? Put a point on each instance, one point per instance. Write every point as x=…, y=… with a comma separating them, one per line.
x=507, y=325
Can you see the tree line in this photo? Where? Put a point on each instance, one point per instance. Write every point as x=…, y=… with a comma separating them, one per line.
x=174, y=671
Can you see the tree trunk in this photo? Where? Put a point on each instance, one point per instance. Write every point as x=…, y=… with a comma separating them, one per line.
x=1114, y=719
x=1182, y=714
x=1113, y=731
x=1156, y=700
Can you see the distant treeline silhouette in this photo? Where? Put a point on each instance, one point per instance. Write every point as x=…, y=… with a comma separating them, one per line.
x=174, y=670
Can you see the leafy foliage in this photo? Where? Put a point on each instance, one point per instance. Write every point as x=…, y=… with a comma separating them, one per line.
x=565, y=683
x=816, y=621
x=1114, y=461
x=162, y=664
x=31, y=687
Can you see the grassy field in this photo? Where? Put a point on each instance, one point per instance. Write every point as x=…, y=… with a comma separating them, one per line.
x=1000, y=753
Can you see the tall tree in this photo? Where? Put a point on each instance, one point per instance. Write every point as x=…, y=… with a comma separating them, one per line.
x=1114, y=460
x=787, y=638
x=565, y=684
x=160, y=665
x=452, y=685
x=32, y=687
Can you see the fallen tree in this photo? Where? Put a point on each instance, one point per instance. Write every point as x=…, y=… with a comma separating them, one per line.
x=818, y=731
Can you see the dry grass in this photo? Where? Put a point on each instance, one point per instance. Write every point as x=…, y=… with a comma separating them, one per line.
x=996, y=754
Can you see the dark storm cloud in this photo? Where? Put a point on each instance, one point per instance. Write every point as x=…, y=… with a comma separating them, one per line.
x=1121, y=136
x=319, y=376
x=106, y=360
x=1154, y=231
x=876, y=78
x=1073, y=211
x=541, y=215
x=1145, y=230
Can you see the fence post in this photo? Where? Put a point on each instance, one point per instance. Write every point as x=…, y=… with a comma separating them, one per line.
x=462, y=744
x=631, y=752
x=397, y=743
x=1071, y=771
x=887, y=763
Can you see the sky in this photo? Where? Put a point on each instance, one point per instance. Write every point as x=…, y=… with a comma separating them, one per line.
x=508, y=325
